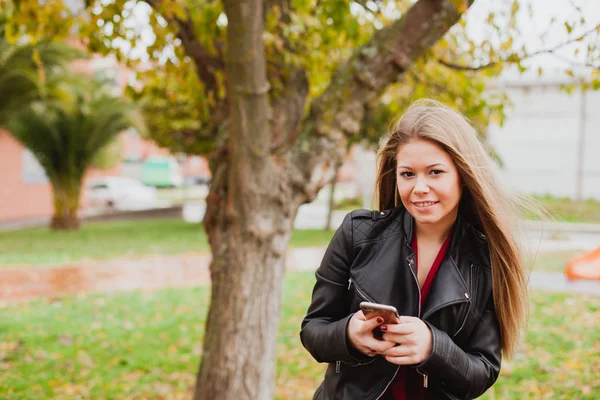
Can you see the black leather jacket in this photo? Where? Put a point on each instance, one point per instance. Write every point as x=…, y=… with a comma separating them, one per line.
x=370, y=259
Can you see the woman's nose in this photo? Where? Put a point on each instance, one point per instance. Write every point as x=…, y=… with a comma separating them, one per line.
x=420, y=186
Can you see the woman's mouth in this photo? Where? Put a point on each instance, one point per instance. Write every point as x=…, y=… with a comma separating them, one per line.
x=424, y=205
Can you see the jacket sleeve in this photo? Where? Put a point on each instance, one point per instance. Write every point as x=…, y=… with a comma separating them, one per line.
x=467, y=372
x=324, y=329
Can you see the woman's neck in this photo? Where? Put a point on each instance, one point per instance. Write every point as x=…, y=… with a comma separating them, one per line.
x=435, y=233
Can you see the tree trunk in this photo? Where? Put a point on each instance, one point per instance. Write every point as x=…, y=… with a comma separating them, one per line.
x=66, y=205
x=238, y=360
x=248, y=221
x=332, y=197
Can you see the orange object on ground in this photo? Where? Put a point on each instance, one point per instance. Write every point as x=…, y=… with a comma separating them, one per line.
x=586, y=266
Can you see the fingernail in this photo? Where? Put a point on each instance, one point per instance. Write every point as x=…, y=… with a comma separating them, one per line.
x=383, y=327
x=379, y=320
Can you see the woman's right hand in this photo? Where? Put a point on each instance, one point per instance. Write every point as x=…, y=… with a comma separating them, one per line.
x=360, y=333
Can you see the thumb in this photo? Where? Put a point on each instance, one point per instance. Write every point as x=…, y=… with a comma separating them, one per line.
x=374, y=322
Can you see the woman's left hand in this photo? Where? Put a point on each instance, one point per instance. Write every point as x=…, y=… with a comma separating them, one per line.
x=414, y=341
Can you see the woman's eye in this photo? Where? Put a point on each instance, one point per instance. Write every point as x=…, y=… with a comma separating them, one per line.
x=407, y=174
x=436, y=171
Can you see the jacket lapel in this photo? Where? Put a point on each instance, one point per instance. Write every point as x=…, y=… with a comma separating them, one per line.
x=448, y=287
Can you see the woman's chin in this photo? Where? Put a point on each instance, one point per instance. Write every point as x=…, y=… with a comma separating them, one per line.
x=427, y=220
x=424, y=217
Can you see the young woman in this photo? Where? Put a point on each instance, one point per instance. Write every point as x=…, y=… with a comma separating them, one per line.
x=441, y=249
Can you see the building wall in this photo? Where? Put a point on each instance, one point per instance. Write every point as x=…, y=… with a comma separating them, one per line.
x=24, y=193
x=24, y=189
x=539, y=142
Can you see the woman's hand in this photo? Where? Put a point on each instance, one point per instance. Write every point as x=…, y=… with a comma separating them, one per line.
x=360, y=333
x=414, y=341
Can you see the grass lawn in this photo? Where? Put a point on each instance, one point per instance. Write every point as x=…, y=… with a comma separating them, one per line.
x=101, y=240
x=566, y=210
x=146, y=345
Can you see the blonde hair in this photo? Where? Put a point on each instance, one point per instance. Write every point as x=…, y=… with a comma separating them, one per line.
x=484, y=203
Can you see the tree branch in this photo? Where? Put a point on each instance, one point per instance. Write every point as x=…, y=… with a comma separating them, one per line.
x=379, y=3
x=575, y=64
x=513, y=58
x=206, y=64
x=285, y=7
x=287, y=107
x=336, y=115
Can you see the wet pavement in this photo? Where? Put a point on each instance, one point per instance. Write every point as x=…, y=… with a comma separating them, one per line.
x=146, y=273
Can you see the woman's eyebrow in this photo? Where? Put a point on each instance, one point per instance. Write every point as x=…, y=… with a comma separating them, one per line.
x=429, y=166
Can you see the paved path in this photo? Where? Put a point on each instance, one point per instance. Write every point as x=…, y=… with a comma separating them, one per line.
x=557, y=282
x=154, y=272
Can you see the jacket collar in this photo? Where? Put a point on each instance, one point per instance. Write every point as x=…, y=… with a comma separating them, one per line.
x=408, y=225
x=450, y=284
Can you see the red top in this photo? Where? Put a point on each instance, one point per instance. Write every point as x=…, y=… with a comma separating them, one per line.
x=408, y=383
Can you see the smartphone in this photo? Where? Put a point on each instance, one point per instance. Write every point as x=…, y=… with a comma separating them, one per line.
x=388, y=313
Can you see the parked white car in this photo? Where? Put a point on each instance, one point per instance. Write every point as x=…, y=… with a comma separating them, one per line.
x=120, y=193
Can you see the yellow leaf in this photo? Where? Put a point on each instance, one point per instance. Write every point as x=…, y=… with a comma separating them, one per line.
x=569, y=27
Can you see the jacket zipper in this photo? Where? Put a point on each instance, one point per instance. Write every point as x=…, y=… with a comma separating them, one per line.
x=411, y=264
x=359, y=291
x=363, y=296
x=468, y=296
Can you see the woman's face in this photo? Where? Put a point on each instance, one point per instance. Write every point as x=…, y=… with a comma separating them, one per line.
x=428, y=182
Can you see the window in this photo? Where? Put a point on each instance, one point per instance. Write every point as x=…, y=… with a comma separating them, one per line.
x=32, y=171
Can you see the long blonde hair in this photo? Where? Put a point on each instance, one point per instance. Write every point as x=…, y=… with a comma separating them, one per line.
x=484, y=202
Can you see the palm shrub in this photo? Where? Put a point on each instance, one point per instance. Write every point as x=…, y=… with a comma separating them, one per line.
x=66, y=133
x=28, y=70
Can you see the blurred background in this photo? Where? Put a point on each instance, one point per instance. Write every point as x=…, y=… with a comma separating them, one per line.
x=105, y=168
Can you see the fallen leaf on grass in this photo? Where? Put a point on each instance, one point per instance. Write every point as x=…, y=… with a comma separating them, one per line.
x=161, y=388
x=65, y=340
x=5, y=365
x=71, y=390
x=133, y=376
x=85, y=359
x=9, y=349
